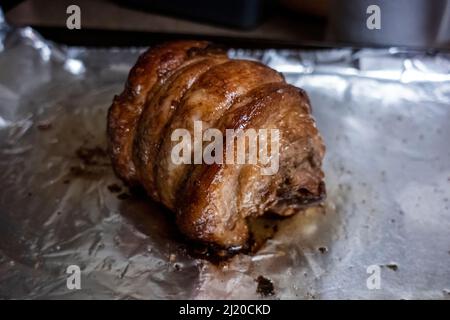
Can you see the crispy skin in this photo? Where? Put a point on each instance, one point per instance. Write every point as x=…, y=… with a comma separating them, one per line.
x=208, y=100
x=152, y=68
x=176, y=83
x=217, y=198
x=157, y=116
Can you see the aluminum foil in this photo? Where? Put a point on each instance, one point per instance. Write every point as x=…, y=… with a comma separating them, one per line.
x=385, y=118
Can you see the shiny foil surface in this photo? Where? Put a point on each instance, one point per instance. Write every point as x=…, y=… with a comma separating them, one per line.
x=385, y=118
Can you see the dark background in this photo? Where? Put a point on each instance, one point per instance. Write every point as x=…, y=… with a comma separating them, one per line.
x=242, y=23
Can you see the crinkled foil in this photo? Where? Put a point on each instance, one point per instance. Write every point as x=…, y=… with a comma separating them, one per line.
x=385, y=118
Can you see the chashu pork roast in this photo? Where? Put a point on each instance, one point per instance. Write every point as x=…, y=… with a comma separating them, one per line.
x=172, y=85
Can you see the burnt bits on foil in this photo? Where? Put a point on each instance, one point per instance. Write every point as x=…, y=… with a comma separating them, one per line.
x=383, y=232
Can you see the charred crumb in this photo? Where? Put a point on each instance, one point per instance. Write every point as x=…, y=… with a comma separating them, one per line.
x=66, y=181
x=323, y=250
x=96, y=156
x=177, y=267
x=114, y=188
x=265, y=286
x=123, y=196
x=392, y=266
x=44, y=126
x=29, y=194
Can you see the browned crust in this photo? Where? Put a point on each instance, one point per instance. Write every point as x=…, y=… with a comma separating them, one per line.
x=152, y=67
x=157, y=116
x=220, y=86
x=198, y=215
x=174, y=83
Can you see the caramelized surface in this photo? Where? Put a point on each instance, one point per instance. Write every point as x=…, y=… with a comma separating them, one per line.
x=176, y=83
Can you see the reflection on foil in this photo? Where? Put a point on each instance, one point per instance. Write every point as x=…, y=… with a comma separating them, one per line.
x=384, y=115
x=74, y=66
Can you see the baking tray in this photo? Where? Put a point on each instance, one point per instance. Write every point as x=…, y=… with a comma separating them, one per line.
x=385, y=118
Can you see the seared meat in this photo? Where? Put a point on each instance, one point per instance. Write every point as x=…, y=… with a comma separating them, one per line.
x=211, y=96
x=150, y=71
x=177, y=83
